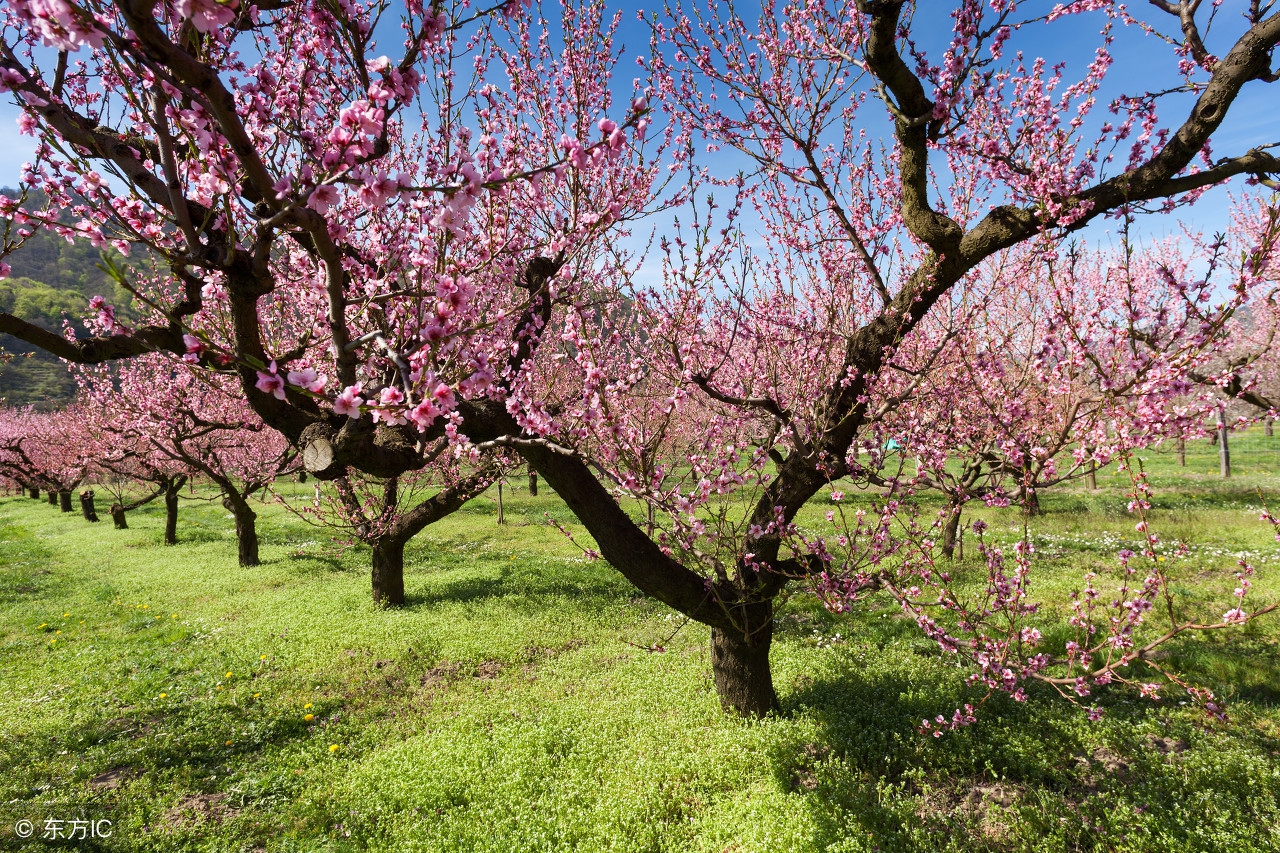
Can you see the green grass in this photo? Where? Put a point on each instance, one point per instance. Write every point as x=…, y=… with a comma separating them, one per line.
x=511, y=706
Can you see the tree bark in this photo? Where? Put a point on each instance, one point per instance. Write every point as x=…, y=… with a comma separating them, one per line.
x=171, y=490
x=388, y=571
x=246, y=529
x=1182, y=452
x=501, y=517
x=533, y=480
x=1030, y=500
x=86, y=506
x=64, y=500
x=1224, y=450
x=53, y=498
x=117, y=516
x=35, y=493
x=740, y=666
x=1267, y=428
x=950, y=529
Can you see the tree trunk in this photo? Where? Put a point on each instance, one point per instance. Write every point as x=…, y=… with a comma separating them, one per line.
x=246, y=530
x=533, y=481
x=35, y=493
x=950, y=529
x=1091, y=478
x=53, y=498
x=171, y=513
x=741, y=668
x=117, y=516
x=1224, y=450
x=1182, y=452
x=1266, y=428
x=86, y=506
x=1030, y=500
x=64, y=500
x=501, y=517
x=388, y=571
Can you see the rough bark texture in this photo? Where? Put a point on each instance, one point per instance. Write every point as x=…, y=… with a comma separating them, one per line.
x=740, y=667
x=35, y=493
x=86, y=505
x=533, y=482
x=388, y=571
x=171, y=513
x=53, y=498
x=950, y=531
x=1224, y=451
x=117, y=516
x=246, y=529
x=64, y=500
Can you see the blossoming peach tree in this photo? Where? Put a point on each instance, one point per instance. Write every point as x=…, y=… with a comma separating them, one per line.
x=365, y=242
x=169, y=417
x=1072, y=357
x=415, y=254
x=802, y=339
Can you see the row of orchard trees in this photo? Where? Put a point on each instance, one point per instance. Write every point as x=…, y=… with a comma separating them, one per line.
x=156, y=423
x=398, y=235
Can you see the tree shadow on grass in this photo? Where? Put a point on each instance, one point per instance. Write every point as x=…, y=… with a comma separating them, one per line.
x=310, y=564
x=534, y=590
x=1022, y=769
x=179, y=751
x=1237, y=668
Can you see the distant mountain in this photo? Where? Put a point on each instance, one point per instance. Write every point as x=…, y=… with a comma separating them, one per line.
x=52, y=280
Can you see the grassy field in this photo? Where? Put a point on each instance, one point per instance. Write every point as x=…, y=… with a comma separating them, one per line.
x=512, y=706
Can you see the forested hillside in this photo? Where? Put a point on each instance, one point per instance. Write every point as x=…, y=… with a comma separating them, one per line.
x=52, y=280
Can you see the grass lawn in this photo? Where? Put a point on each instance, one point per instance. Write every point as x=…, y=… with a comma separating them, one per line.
x=511, y=705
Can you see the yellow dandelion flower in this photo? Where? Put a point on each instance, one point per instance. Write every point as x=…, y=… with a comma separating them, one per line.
x=219, y=686
x=263, y=657
x=309, y=717
x=57, y=632
x=163, y=695
x=306, y=706
x=256, y=695
x=229, y=674
x=333, y=747
x=43, y=625
x=228, y=743
x=65, y=615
